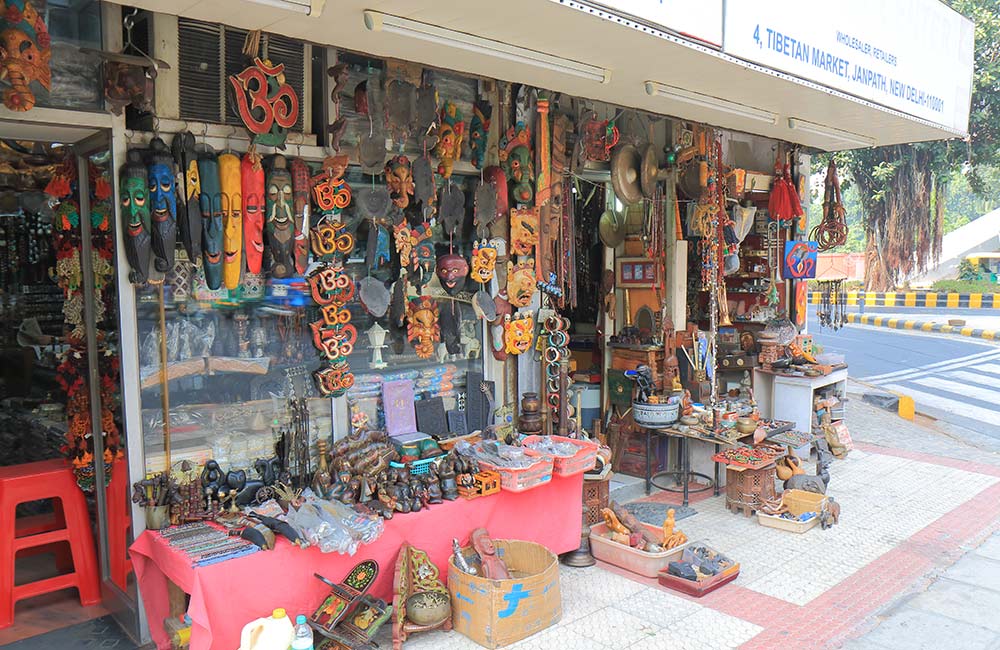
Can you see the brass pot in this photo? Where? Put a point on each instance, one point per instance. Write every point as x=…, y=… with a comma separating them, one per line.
x=746, y=425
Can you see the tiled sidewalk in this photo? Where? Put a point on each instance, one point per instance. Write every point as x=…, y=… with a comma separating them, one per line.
x=906, y=515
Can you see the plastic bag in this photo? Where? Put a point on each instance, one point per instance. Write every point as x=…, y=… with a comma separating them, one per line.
x=322, y=533
x=364, y=528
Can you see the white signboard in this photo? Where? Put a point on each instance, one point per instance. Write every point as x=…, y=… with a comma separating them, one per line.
x=911, y=55
x=700, y=19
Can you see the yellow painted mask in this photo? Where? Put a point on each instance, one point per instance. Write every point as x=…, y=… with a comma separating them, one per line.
x=484, y=261
x=230, y=181
x=520, y=283
x=518, y=332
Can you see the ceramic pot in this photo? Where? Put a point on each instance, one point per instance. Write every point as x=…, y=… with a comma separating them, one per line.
x=428, y=607
x=157, y=517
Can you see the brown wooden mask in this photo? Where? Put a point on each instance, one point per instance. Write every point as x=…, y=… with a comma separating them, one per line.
x=399, y=178
x=422, y=329
x=521, y=283
x=523, y=230
x=25, y=51
x=451, y=270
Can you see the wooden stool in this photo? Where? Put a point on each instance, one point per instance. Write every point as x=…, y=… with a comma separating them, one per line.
x=50, y=479
x=745, y=486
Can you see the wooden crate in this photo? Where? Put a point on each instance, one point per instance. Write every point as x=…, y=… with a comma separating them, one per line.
x=595, y=498
x=744, y=485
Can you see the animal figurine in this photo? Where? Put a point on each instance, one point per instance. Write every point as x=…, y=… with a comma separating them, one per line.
x=615, y=526
x=672, y=538
x=808, y=482
x=830, y=515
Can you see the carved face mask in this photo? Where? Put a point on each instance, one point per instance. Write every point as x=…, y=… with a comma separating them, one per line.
x=422, y=329
x=484, y=261
x=188, y=215
x=211, y=214
x=449, y=146
x=280, y=227
x=252, y=174
x=163, y=204
x=421, y=271
x=232, y=219
x=25, y=51
x=134, y=194
x=482, y=111
x=515, y=154
x=399, y=178
x=523, y=230
x=451, y=270
x=300, y=205
x=518, y=332
x=520, y=283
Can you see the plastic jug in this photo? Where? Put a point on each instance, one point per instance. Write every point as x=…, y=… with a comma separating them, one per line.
x=274, y=632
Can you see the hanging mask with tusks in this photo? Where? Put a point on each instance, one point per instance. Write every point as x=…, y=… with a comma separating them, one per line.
x=189, y=189
x=211, y=219
x=162, y=204
x=252, y=173
x=134, y=195
x=279, y=219
x=300, y=207
x=230, y=182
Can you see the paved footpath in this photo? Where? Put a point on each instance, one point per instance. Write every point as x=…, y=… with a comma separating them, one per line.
x=912, y=563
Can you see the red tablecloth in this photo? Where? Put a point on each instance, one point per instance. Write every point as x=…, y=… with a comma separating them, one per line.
x=226, y=596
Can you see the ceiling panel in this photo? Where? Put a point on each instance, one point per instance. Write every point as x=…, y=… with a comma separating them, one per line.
x=632, y=56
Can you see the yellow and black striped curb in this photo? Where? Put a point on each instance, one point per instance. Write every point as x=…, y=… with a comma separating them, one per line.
x=921, y=326
x=918, y=299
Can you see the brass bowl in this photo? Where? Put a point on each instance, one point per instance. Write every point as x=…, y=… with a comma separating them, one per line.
x=746, y=425
x=428, y=607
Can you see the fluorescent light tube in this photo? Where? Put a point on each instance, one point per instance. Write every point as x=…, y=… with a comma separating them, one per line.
x=379, y=22
x=301, y=6
x=796, y=124
x=655, y=89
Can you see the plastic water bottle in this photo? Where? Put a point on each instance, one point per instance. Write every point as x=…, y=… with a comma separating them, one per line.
x=303, y=634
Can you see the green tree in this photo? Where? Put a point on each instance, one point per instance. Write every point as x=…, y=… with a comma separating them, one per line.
x=904, y=189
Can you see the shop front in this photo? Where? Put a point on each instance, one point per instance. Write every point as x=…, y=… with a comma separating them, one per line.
x=342, y=288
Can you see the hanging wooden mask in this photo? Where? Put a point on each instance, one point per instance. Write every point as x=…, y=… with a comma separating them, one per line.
x=134, y=194
x=484, y=261
x=280, y=226
x=479, y=128
x=373, y=203
x=163, y=204
x=521, y=283
x=515, y=156
x=425, y=189
x=25, y=52
x=427, y=113
x=128, y=84
x=451, y=270
x=231, y=184
x=188, y=215
x=599, y=137
x=523, y=230
x=450, y=318
x=211, y=219
x=518, y=333
x=485, y=208
x=301, y=184
x=252, y=172
x=267, y=104
x=450, y=135
x=422, y=329
x=421, y=270
x=451, y=208
x=330, y=191
x=399, y=178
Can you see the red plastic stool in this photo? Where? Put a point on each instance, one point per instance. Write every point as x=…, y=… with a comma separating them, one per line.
x=49, y=479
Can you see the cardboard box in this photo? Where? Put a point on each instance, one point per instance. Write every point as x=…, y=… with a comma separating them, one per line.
x=496, y=613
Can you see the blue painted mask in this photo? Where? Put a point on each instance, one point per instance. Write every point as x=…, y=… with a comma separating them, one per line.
x=211, y=212
x=162, y=204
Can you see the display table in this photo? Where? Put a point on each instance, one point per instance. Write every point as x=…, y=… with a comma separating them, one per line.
x=227, y=595
x=787, y=397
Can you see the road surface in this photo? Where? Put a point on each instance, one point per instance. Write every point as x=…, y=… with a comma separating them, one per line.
x=952, y=378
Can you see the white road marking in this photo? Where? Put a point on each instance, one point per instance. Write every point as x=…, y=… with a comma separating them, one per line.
x=949, y=405
x=976, y=379
x=940, y=365
x=961, y=389
x=988, y=367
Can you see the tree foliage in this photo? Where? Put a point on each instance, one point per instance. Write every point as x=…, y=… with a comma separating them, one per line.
x=903, y=189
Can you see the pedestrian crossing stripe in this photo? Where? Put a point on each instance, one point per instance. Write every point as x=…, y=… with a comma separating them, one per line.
x=916, y=299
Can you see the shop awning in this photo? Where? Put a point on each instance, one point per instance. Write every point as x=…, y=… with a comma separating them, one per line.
x=621, y=61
